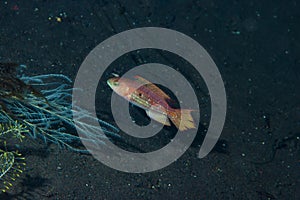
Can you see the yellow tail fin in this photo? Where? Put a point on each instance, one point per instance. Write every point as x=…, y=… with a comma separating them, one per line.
x=183, y=122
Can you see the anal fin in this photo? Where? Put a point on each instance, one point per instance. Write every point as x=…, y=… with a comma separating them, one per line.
x=159, y=117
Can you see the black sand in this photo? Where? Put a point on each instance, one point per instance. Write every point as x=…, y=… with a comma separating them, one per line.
x=255, y=45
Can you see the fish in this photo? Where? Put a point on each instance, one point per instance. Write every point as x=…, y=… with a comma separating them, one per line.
x=13, y=88
x=153, y=100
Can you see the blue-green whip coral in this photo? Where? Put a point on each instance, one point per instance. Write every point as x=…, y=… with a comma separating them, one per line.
x=38, y=107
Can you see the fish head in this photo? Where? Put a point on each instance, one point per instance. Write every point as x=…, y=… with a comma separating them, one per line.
x=122, y=86
x=113, y=82
x=118, y=86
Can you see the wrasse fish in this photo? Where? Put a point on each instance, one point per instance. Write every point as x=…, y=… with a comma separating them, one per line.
x=153, y=100
x=12, y=86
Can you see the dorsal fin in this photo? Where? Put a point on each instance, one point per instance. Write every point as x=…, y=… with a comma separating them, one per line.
x=152, y=87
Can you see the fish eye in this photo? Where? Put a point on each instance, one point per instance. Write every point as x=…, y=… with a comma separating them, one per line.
x=116, y=83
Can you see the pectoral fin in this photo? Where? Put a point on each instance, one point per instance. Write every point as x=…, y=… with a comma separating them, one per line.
x=161, y=118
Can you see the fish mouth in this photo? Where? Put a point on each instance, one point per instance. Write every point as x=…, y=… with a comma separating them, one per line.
x=110, y=83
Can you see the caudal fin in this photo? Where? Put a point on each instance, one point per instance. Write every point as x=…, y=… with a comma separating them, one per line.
x=182, y=119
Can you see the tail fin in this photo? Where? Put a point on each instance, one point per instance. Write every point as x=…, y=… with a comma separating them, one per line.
x=182, y=119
